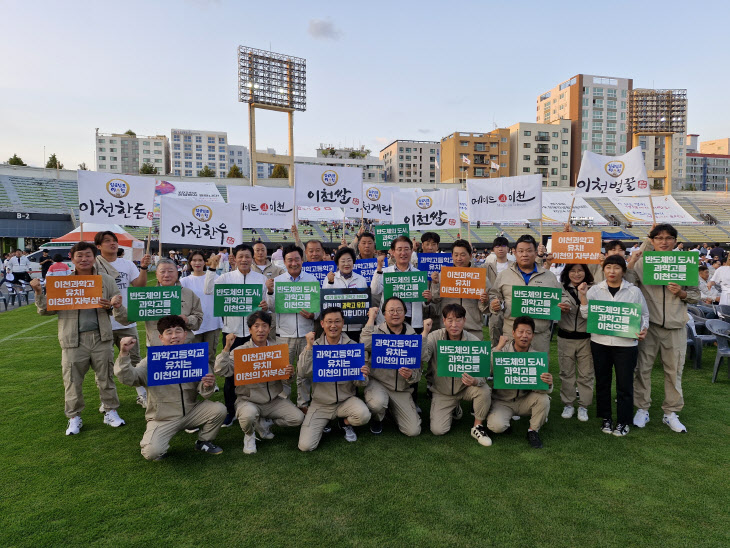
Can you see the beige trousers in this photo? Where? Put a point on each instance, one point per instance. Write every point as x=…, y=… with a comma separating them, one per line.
x=672, y=345
x=535, y=404
x=281, y=410
x=304, y=386
x=210, y=337
x=378, y=399
x=574, y=355
x=442, y=407
x=318, y=416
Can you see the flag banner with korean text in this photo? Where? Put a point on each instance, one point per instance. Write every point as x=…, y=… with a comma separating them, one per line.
x=454, y=358
x=433, y=262
x=427, y=210
x=576, y=247
x=196, y=224
x=112, y=198
x=73, y=292
x=332, y=186
x=236, y=299
x=320, y=269
x=291, y=297
x=396, y=351
x=666, y=209
x=354, y=302
x=606, y=176
x=408, y=286
x=540, y=303
x=146, y=304
x=463, y=206
x=614, y=318
x=665, y=267
x=520, y=370
x=463, y=283
x=260, y=364
x=377, y=202
x=176, y=363
x=202, y=192
x=337, y=363
x=556, y=208
x=513, y=199
x=264, y=207
x=385, y=234
x=367, y=268
x=307, y=213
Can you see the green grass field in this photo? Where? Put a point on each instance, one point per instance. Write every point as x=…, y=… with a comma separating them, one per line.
x=653, y=487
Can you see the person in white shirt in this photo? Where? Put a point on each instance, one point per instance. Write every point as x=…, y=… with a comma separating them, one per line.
x=345, y=278
x=496, y=262
x=19, y=266
x=721, y=277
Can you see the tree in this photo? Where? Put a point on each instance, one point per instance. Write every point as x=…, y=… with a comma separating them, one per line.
x=16, y=161
x=206, y=172
x=279, y=172
x=130, y=132
x=82, y=166
x=53, y=162
x=235, y=172
x=148, y=169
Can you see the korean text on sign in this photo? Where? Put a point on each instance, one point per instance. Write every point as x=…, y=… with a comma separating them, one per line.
x=464, y=283
x=354, y=302
x=454, y=358
x=433, y=262
x=614, y=318
x=664, y=267
x=152, y=303
x=385, y=234
x=334, y=363
x=537, y=302
x=291, y=297
x=236, y=299
x=260, y=364
x=576, y=247
x=176, y=364
x=409, y=286
x=73, y=292
x=320, y=269
x=367, y=267
x=396, y=351
x=520, y=370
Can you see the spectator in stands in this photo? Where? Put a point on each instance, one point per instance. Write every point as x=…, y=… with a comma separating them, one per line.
x=718, y=252
x=710, y=295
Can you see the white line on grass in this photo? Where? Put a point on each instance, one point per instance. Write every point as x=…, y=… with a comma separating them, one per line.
x=31, y=328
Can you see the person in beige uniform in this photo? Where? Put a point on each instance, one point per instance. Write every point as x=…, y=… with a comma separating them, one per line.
x=392, y=388
x=261, y=264
x=262, y=404
x=430, y=244
x=666, y=336
x=524, y=273
x=508, y=403
x=172, y=407
x=615, y=247
x=87, y=340
x=330, y=399
x=496, y=262
x=448, y=392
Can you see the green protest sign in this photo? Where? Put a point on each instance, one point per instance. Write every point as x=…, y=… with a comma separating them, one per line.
x=409, y=286
x=146, y=304
x=454, y=358
x=291, y=297
x=665, y=267
x=520, y=370
x=384, y=234
x=614, y=318
x=540, y=303
x=236, y=299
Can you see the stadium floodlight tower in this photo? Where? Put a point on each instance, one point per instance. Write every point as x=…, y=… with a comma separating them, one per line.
x=271, y=81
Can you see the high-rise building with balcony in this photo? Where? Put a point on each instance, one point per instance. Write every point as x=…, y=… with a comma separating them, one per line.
x=192, y=149
x=475, y=155
x=412, y=161
x=541, y=148
x=127, y=152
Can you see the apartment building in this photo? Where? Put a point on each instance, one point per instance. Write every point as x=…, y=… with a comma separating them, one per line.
x=192, y=149
x=126, y=152
x=542, y=148
x=407, y=161
x=471, y=155
x=238, y=155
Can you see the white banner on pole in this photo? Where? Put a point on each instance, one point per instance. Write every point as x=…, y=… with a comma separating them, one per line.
x=377, y=202
x=204, y=192
x=667, y=210
x=194, y=223
x=505, y=199
x=263, y=207
x=556, y=208
x=112, y=198
x=316, y=213
x=608, y=176
x=421, y=210
x=329, y=186
x=463, y=206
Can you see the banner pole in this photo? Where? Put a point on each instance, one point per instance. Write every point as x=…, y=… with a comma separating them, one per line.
x=570, y=213
x=81, y=229
x=651, y=204
x=149, y=240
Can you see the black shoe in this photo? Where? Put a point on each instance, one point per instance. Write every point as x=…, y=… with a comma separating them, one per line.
x=208, y=447
x=533, y=438
x=607, y=426
x=376, y=427
x=230, y=417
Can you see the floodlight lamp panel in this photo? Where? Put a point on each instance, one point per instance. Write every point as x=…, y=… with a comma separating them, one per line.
x=269, y=78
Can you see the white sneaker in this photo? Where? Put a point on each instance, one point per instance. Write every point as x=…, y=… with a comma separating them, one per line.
x=568, y=411
x=192, y=430
x=582, y=414
x=74, y=426
x=249, y=444
x=113, y=419
x=517, y=417
x=263, y=428
x=101, y=408
x=350, y=433
x=142, y=400
x=479, y=433
x=672, y=421
x=641, y=418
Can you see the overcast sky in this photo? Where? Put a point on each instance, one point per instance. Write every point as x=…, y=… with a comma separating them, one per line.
x=376, y=71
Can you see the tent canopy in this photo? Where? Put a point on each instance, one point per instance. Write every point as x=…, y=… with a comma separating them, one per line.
x=90, y=230
x=620, y=235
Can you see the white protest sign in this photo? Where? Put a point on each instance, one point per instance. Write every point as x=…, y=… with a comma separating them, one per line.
x=112, y=198
x=667, y=210
x=505, y=199
x=612, y=175
x=307, y=213
x=377, y=202
x=197, y=224
x=556, y=208
x=263, y=207
x=463, y=206
x=329, y=186
x=421, y=210
x=204, y=192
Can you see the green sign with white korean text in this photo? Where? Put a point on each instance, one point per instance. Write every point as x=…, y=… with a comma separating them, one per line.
x=520, y=370
x=409, y=286
x=540, y=303
x=665, y=267
x=291, y=297
x=454, y=358
x=236, y=299
x=614, y=318
x=146, y=304
x=384, y=234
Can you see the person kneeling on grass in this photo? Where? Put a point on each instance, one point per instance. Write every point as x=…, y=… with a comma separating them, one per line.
x=507, y=403
x=447, y=392
x=262, y=404
x=330, y=399
x=172, y=407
